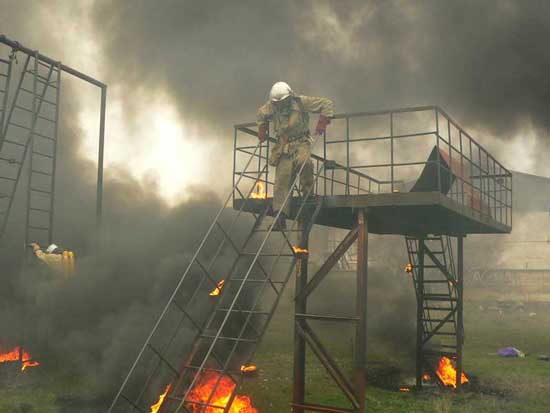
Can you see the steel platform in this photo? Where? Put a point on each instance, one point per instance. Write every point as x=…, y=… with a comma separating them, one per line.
x=409, y=213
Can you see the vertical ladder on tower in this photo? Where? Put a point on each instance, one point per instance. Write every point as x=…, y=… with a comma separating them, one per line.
x=437, y=292
x=220, y=309
x=30, y=132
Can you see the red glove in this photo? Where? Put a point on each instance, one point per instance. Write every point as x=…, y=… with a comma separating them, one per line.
x=322, y=125
x=262, y=132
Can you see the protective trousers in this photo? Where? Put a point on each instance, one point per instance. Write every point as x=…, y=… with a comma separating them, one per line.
x=288, y=159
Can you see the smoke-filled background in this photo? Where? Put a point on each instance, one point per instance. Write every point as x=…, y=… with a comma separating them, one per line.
x=181, y=73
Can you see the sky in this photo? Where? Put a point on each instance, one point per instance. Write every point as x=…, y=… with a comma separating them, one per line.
x=181, y=73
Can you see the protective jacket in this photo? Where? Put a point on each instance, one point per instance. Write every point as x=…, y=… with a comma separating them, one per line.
x=292, y=121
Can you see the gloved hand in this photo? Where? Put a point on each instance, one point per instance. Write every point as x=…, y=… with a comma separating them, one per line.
x=262, y=132
x=322, y=125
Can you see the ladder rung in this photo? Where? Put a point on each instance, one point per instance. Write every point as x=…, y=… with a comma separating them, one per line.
x=8, y=140
x=38, y=75
x=40, y=209
x=7, y=178
x=46, y=119
x=40, y=190
x=27, y=91
x=226, y=310
x=435, y=297
x=47, y=101
x=20, y=126
x=41, y=173
x=266, y=255
x=256, y=280
x=438, y=308
x=39, y=228
x=276, y=232
x=436, y=281
x=48, y=66
x=439, y=333
x=438, y=320
x=22, y=108
x=321, y=317
x=244, y=340
x=452, y=346
x=45, y=155
x=50, y=84
x=44, y=136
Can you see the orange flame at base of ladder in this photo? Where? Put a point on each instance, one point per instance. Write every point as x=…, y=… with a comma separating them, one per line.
x=13, y=356
x=259, y=191
x=447, y=373
x=217, y=291
x=409, y=268
x=203, y=390
x=405, y=389
x=155, y=407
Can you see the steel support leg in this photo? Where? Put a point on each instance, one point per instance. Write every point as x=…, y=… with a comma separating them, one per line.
x=459, y=309
x=420, y=314
x=361, y=309
x=300, y=308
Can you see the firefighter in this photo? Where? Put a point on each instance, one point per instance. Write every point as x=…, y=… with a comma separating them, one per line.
x=59, y=260
x=289, y=117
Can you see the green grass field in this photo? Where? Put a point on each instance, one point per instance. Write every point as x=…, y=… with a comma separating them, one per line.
x=501, y=385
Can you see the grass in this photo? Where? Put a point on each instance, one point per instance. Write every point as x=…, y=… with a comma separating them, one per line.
x=512, y=385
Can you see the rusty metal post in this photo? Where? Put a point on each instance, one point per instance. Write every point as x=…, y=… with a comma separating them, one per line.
x=459, y=309
x=420, y=314
x=300, y=306
x=361, y=309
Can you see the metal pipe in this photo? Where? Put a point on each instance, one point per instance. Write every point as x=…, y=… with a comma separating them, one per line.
x=300, y=307
x=100, y=157
x=460, y=308
x=361, y=309
x=19, y=47
x=419, y=314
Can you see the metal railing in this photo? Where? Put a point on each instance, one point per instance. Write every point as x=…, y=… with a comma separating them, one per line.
x=420, y=149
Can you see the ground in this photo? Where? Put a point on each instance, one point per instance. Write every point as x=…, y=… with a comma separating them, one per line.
x=501, y=385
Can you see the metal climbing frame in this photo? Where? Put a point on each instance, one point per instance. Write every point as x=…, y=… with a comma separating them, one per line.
x=29, y=119
x=34, y=107
x=220, y=308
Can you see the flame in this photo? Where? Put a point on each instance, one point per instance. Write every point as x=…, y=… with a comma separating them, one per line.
x=405, y=389
x=203, y=390
x=217, y=291
x=447, y=373
x=259, y=191
x=13, y=355
x=298, y=250
x=249, y=368
x=409, y=268
x=155, y=407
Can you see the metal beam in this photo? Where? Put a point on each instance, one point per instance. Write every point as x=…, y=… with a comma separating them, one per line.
x=361, y=308
x=19, y=47
x=459, y=308
x=331, y=261
x=420, y=313
x=300, y=307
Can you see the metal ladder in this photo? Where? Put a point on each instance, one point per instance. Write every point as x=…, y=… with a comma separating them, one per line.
x=35, y=107
x=255, y=268
x=437, y=292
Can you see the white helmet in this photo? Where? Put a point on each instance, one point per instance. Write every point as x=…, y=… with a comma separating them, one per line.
x=280, y=91
x=51, y=248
